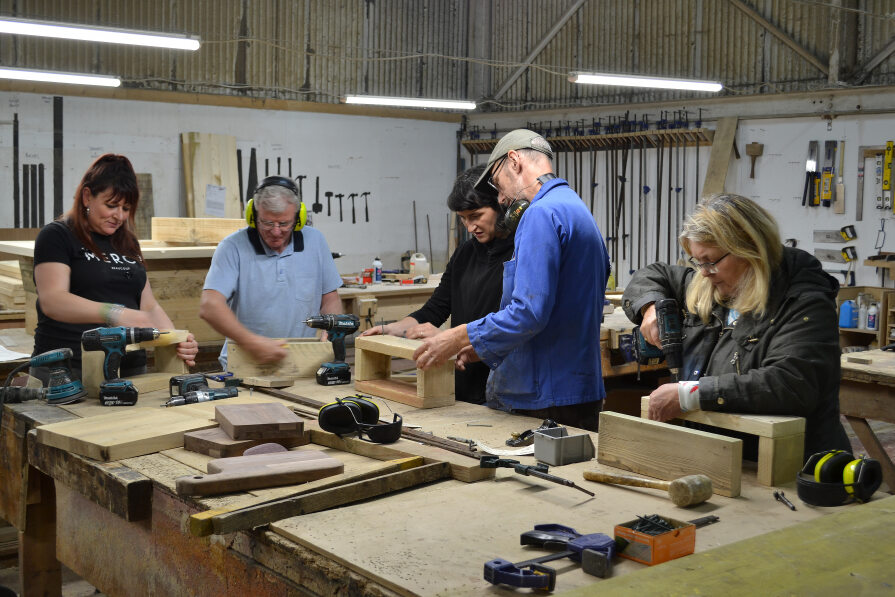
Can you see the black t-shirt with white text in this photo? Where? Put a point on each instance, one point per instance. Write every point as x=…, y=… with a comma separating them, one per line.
x=111, y=278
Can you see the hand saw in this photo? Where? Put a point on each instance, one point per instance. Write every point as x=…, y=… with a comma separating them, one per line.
x=826, y=193
x=809, y=194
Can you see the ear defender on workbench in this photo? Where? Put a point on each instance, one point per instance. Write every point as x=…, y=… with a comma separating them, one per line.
x=355, y=414
x=286, y=183
x=836, y=477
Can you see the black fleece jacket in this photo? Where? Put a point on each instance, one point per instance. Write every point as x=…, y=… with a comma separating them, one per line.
x=470, y=288
x=785, y=363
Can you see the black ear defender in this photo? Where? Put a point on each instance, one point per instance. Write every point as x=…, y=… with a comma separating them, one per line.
x=286, y=183
x=836, y=477
x=513, y=213
x=356, y=414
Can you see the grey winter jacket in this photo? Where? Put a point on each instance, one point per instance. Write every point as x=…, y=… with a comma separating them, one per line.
x=785, y=363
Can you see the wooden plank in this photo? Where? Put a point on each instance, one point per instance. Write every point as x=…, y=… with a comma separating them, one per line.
x=241, y=473
x=334, y=497
x=761, y=425
x=11, y=269
x=667, y=451
x=145, y=207
x=122, y=434
x=463, y=468
x=196, y=230
x=216, y=443
x=800, y=561
x=780, y=459
x=303, y=359
x=202, y=524
x=402, y=392
x=209, y=159
x=391, y=345
x=874, y=448
x=371, y=365
x=119, y=489
x=267, y=420
x=269, y=382
x=719, y=159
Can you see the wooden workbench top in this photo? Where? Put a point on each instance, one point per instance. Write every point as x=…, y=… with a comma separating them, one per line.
x=436, y=538
x=151, y=249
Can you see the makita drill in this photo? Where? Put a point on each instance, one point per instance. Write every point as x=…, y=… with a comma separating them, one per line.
x=337, y=326
x=668, y=318
x=113, y=342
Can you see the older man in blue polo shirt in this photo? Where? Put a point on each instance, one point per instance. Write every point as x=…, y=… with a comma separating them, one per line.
x=543, y=345
x=267, y=279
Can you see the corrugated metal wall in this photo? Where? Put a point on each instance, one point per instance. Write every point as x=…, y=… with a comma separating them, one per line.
x=318, y=50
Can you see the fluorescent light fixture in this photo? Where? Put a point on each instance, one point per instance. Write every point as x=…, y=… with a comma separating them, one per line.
x=408, y=102
x=99, y=34
x=650, y=82
x=48, y=76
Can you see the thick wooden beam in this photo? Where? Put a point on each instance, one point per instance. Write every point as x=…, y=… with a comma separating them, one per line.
x=668, y=452
x=719, y=159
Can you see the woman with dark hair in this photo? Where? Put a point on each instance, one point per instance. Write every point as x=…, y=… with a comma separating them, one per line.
x=88, y=267
x=471, y=284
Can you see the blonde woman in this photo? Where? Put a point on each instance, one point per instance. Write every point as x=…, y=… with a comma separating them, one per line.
x=760, y=331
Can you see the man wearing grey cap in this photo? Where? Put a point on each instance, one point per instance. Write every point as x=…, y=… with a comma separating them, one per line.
x=543, y=345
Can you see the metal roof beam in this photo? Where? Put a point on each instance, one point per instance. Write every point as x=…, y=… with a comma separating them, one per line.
x=781, y=35
x=539, y=48
x=866, y=68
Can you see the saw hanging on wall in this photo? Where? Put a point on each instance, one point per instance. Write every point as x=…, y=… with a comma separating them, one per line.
x=826, y=187
x=845, y=255
x=809, y=194
x=844, y=234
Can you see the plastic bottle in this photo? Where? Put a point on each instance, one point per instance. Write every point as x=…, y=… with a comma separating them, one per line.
x=377, y=271
x=872, y=317
x=862, y=316
x=848, y=314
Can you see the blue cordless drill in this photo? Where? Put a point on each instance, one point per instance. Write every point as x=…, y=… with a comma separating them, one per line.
x=338, y=326
x=113, y=341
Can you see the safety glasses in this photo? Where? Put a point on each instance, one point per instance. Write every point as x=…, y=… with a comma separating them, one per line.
x=381, y=433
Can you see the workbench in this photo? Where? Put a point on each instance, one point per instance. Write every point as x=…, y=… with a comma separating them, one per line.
x=867, y=391
x=121, y=526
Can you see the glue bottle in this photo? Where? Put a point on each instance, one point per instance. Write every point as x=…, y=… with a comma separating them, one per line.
x=872, y=317
x=377, y=271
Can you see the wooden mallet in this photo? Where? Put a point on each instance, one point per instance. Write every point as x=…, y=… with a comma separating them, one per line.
x=686, y=491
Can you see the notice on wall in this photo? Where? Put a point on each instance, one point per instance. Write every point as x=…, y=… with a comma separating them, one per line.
x=215, y=201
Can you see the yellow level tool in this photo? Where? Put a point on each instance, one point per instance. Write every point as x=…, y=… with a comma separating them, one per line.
x=887, y=177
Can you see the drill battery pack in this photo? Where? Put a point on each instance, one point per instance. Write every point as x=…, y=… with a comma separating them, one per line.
x=117, y=392
x=181, y=384
x=333, y=374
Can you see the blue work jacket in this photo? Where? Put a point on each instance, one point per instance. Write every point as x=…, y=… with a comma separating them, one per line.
x=543, y=345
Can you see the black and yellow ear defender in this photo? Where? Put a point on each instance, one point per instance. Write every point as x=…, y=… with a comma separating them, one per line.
x=286, y=183
x=836, y=477
x=357, y=414
x=336, y=417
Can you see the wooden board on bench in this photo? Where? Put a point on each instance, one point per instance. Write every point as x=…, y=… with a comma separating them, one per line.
x=668, y=451
x=781, y=439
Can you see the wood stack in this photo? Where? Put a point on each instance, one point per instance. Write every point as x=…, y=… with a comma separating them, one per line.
x=12, y=293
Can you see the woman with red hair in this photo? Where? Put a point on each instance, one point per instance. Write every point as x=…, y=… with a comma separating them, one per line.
x=89, y=271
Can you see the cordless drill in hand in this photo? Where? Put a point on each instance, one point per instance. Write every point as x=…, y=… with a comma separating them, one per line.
x=113, y=342
x=337, y=326
x=668, y=318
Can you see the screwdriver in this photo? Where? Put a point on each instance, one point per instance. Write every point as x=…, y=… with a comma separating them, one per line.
x=202, y=396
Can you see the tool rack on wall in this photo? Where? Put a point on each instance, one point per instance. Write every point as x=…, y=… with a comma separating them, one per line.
x=648, y=139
